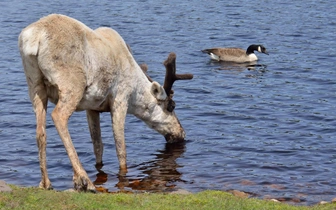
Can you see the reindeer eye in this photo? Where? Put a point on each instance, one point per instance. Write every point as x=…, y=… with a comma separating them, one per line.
x=171, y=106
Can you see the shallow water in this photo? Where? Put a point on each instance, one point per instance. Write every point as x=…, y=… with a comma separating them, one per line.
x=268, y=131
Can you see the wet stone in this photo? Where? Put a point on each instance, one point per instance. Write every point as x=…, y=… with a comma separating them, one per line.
x=323, y=202
x=181, y=192
x=274, y=200
x=70, y=190
x=239, y=194
x=4, y=187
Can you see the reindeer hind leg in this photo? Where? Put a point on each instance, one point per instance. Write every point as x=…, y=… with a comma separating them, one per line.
x=38, y=96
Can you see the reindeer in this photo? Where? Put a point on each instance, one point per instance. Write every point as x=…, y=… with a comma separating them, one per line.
x=78, y=69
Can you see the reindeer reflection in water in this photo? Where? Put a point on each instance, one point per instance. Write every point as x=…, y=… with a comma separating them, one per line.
x=162, y=173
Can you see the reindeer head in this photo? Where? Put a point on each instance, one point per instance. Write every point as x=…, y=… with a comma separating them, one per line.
x=163, y=118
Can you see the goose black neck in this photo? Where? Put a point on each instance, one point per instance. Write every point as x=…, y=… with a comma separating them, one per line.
x=251, y=49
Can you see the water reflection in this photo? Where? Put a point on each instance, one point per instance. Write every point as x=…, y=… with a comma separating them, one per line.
x=232, y=66
x=258, y=114
x=161, y=174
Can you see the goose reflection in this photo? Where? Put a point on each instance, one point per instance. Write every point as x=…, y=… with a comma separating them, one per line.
x=161, y=173
x=223, y=65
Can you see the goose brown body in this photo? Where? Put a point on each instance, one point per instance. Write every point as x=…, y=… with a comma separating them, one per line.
x=236, y=55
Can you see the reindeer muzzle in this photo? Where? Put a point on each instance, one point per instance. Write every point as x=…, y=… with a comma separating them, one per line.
x=171, y=138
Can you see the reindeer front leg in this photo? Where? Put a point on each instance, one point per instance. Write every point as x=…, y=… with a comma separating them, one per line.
x=94, y=126
x=69, y=97
x=118, y=115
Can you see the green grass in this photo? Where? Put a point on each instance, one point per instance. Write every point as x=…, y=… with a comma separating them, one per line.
x=34, y=198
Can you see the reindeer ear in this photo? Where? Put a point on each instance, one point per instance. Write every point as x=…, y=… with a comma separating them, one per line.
x=158, y=92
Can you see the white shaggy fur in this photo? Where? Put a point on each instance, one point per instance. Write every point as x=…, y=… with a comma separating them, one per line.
x=78, y=69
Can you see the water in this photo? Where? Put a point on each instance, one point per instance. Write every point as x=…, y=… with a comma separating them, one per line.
x=268, y=131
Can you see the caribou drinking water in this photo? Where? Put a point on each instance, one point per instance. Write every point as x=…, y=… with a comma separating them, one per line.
x=78, y=69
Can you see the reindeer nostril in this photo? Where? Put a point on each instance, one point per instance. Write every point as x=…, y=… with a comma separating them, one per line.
x=169, y=138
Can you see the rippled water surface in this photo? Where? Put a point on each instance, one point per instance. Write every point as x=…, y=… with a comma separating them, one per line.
x=269, y=131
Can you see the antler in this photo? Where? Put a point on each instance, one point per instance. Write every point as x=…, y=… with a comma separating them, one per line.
x=171, y=75
x=144, y=69
x=143, y=66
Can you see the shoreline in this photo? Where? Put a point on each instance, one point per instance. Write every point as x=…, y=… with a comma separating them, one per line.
x=4, y=187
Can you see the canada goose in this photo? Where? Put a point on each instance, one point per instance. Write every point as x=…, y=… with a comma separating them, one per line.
x=235, y=54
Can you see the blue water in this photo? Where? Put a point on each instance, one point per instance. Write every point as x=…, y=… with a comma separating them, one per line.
x=269, y=131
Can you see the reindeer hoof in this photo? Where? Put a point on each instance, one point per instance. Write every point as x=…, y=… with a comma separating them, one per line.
x=99, y=166
x=45, y=185
x=84, y=184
